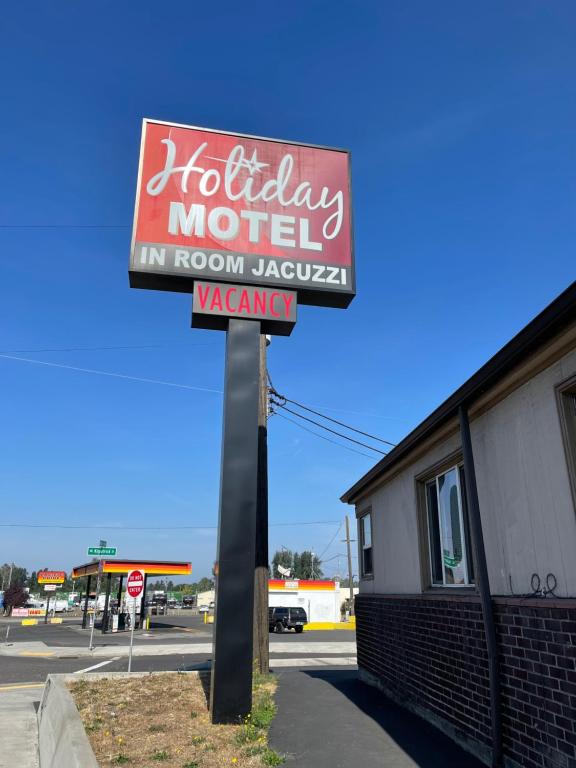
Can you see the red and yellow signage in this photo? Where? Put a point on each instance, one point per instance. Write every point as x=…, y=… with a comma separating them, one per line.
x=234, y=208
x=150, y=567
x=51, y=577
x=292, y=585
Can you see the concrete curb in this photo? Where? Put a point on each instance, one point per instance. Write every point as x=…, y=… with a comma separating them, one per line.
x=62, y=740
x=329, y=625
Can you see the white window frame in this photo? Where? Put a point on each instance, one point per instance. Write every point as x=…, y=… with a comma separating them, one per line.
x=467, y=582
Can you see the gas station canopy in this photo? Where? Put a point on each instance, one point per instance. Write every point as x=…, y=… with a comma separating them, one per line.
x=121, y=567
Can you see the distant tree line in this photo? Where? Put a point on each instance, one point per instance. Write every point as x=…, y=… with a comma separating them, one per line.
x=302, y=565
x=204, y=585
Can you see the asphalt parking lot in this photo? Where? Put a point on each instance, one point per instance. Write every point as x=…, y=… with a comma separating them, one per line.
x=35, y=650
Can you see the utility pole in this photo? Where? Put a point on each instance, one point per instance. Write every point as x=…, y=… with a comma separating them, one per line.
x=261, y=635
x=350, y=582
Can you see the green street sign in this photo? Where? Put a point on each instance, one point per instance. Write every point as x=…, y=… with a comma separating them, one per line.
x=102, y=551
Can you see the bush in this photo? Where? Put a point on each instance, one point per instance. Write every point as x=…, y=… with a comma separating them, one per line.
x=15, y=597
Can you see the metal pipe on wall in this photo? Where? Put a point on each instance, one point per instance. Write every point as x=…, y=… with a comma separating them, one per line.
x=483, y=584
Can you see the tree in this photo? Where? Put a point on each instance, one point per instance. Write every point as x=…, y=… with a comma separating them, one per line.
x=297, y=567
x=281, y=557
x=301, y=564
x=310, y=566
x=13, y=575
x=15, y=597
x=205, y=585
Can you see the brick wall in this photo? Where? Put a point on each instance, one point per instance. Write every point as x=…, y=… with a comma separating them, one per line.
x=538, y=674
x=429, y=652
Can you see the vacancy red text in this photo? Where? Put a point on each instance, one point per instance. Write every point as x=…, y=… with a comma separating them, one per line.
x=234, y=300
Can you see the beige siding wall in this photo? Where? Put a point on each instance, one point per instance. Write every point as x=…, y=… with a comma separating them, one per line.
x=526, y=503
x=524, y=488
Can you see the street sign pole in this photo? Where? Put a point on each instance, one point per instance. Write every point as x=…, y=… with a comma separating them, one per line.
x=132, y=635
x=98, y=580
x=231, y=688
x=134, y=589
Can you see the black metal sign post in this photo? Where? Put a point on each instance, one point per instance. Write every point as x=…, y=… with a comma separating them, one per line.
x=231, y=686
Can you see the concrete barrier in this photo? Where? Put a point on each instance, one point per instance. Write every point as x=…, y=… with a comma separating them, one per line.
x=314, y=625
x=62, y=740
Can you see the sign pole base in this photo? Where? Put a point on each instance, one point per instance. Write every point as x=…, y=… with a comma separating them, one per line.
x=231, y=685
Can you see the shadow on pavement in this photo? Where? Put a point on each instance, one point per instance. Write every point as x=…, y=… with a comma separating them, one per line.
x=328, y=717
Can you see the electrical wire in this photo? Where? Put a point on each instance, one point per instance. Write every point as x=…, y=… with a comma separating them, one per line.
x=335, y=557
x=64, y=226
x=330, y=544
x=98, y=349
x=110, y=527
x=110, y=373
x=323, y=437
x=334, y=421
x=333, y=431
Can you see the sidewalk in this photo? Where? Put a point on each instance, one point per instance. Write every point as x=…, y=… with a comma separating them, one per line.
x=329, y=719
x=347, y=650
x=19, y=726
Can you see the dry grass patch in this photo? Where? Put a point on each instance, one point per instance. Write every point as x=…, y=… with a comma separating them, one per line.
x=162, y=721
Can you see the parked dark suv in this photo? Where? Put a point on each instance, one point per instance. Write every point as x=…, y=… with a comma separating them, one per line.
x=280, y=619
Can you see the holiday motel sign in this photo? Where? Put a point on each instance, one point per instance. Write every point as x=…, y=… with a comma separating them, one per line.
x=251, y=227
x=233, y=209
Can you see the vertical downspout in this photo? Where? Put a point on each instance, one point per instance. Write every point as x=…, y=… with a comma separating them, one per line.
x=483, y=584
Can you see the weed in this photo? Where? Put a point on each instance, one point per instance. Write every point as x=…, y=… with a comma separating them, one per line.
x=120, y=759
x=263, y=710
x=95, y=725
x=270, y=757
x=197, y=740
x=248, y=733
x=191, y=765
x=259, y=749
x=193, y=715
x=261, y=678
x=157, y=728
x=162, y=754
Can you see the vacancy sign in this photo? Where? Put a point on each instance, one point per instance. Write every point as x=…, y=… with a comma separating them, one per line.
x=51, y=577
x=238, y=209
x=135, y=584
x=215, y=303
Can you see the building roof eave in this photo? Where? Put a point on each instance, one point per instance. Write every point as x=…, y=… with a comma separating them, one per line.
x=556, y=316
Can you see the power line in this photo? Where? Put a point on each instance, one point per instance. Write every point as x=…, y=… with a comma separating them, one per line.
x=110, y=373
x=333, y=431
x=330, y=544
x=334, y=421
x=323, y=437
x=335, y=557
x=113, y=527
x=64, y=226
x=99, y=349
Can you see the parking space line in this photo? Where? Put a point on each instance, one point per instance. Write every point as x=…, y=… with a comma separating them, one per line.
x=20, y=685
x=97, y=666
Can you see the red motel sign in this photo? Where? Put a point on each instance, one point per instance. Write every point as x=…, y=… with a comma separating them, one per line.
x=232, y=208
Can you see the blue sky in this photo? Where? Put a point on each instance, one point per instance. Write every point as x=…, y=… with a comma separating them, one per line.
x=460, y=118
